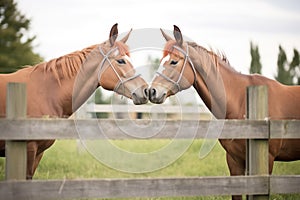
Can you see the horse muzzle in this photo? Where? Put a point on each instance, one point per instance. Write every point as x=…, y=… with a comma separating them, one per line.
x=140, y=96
x=157, y=95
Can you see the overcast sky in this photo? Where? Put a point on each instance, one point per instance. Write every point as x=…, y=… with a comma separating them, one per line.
x=63, y=26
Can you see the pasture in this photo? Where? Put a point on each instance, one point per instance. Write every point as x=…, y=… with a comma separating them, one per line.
x=66, y=159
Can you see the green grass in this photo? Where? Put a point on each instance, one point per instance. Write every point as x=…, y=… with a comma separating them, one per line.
x=68, y=160
x=65, y=159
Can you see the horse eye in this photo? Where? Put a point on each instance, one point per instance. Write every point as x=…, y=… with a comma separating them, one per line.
x=121, y=61
x=173, y=62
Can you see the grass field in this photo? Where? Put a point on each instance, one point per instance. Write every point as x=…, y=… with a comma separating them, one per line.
x=67, y=159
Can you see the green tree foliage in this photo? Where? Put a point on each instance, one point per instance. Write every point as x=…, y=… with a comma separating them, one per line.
x=283, y=74
x=295, y=67
x=100, y=99
x=288, y=73
x=255, y=66
x=16, y=49
x=153, y=64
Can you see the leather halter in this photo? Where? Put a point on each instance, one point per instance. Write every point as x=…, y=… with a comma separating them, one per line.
x=186, y=58
x=106, y=58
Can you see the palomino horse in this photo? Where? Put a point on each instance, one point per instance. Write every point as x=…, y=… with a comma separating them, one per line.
x=223, y=90
x=58, y=87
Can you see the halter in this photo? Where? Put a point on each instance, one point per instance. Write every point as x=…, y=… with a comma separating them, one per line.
x=106, y=58
x=186, y=58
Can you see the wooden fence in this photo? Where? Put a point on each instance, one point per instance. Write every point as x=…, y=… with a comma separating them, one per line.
x=123, y=111
x=15, y=129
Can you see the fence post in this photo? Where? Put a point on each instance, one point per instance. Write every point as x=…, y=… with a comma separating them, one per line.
x=257, y=158
x=16, y=151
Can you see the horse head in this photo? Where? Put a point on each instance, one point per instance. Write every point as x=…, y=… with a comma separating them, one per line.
x=176, y=71
x=116, y=71
x=109, y=66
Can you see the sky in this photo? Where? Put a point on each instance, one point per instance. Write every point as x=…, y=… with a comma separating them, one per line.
x=63, y=26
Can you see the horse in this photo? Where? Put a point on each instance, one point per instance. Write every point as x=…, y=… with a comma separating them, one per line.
x=59, y=87
x=223, y=90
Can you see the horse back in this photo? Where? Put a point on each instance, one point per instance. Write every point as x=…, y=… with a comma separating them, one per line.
x=283, y=100
x=21, y=76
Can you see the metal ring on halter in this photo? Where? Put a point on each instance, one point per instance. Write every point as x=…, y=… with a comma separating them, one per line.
x=186, y=57
x=105, y=57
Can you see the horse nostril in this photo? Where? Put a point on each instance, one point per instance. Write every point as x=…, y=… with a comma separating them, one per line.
x=146, y=92
x=152, y=92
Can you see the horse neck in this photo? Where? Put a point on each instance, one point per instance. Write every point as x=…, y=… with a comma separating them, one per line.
x=70, y=92
x=219, y=86
x=86, y=80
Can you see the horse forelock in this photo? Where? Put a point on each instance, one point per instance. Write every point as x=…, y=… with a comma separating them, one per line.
x=123, y=48
x=169, y=49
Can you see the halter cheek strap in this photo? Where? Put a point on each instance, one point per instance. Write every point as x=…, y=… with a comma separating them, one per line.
x=106, y=58
x=186, y=58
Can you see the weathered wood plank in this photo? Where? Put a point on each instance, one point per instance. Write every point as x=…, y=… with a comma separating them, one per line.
x=153, y=108
x=285, y=129
x=143, y=129
x=285, y=184
x=16, y=151
x=257, y=156
x=67, y=128
x=129, y=188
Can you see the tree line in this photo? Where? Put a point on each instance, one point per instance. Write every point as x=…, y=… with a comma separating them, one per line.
x=16, y=44
x=288, y=72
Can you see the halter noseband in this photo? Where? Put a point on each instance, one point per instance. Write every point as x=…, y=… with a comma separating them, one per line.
x=186, y=58
x=106, y=58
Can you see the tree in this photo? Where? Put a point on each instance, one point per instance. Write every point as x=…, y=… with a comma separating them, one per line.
x=16, y=48
x=100, y=99
x=152, y=64
x=255, y=66
x=295, y=67
x=288, y=73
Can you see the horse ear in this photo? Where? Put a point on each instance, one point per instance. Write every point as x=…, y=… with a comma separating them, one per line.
x=113, y=34
x=178, y=35
x=125, y=38
x=167, y=37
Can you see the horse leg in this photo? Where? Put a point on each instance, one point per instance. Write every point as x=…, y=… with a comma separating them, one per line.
x=31, y=156
x=37, y=161
x=236, y=167
x=42, y=146
x=271, y=163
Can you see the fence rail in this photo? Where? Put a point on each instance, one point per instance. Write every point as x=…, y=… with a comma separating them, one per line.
x=29, y=129
x=193, y=109
x=17, y=131
x=154, y=187
x=149, y=187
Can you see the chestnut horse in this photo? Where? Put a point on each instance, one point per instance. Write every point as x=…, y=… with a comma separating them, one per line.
x=59, y=87
x=223, y=90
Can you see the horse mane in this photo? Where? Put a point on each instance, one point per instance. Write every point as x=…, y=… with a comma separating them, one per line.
x=68, y=65
x=215, y=55
x=65, y=66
